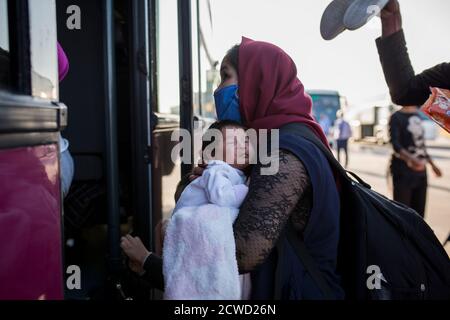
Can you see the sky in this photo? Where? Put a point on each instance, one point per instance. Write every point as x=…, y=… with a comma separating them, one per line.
x=350, y=62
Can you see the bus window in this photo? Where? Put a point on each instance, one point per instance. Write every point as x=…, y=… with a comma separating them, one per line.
x=4, y=46
x=168, y=64
x=209, y=64
x=44, y=76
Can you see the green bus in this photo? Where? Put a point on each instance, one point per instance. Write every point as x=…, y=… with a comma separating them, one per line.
x=328, y=103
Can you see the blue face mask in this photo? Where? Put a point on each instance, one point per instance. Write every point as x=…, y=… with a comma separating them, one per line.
x=227, y=104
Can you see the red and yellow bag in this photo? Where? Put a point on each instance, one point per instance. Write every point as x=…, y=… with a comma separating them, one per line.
x=437, y=107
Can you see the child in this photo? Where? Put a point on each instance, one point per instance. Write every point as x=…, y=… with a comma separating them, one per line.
x=222, y=184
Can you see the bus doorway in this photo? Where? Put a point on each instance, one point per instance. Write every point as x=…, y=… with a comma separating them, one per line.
x=127, y=94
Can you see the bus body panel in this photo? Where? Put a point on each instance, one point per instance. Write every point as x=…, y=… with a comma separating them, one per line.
x=30, y=224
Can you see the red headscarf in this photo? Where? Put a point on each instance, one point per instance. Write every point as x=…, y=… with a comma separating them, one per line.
x=270, y=94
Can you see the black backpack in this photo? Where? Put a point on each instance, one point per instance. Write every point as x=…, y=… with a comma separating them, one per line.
x=386, y=250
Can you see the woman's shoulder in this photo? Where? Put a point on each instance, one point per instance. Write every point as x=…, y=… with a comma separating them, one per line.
x=300, y=148
x=288, y=157
x=310, y=158
x=291, y=166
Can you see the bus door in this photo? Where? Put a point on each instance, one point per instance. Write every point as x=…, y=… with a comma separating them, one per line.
x=118, y=140
x=30, y=121
x=96, y=206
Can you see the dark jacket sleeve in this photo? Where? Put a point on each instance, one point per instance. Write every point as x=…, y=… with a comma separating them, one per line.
x=406, y=88
x=153, y=267
x=394, y=131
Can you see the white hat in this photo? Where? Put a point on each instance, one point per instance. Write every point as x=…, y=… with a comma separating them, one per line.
x=348, y=14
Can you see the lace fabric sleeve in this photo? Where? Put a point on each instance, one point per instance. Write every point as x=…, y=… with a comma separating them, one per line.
x=269, y=204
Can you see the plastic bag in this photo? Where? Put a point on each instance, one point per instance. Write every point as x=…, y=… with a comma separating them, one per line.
x=437, y=107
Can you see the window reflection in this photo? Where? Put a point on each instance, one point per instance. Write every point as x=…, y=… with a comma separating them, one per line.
x=4, y=46
x=44, y=64
x=196, y=72
x=205, y=76
x=209, y=63
x=168, y=65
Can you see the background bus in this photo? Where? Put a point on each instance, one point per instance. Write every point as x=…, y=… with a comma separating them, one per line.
x=326, y=104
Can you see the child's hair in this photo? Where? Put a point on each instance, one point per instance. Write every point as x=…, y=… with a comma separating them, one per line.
x=218, y=125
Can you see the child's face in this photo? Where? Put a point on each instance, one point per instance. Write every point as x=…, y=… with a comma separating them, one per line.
x=235, y=147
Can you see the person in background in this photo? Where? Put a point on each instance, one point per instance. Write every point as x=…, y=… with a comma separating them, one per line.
x=67, y=165
x=325, y=123
x=406, y=88
x=408, y=164
x=342, y=133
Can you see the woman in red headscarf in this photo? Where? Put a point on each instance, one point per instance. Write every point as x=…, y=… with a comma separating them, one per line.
x=260, y=88
x=302, y=196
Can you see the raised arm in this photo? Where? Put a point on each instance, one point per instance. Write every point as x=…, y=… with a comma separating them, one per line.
x=267, y=208
x=405, y=86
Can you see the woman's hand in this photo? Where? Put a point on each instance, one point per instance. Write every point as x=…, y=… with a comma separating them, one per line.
x=390, y=10
x=391, y=18
x=136, y=252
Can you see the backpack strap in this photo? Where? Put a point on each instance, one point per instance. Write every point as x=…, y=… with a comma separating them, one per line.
x=308, y=262
x=305, y=132
x=278, y=285
x=298, y=244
